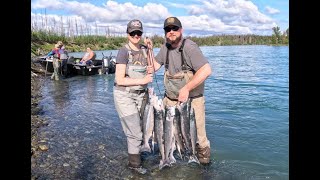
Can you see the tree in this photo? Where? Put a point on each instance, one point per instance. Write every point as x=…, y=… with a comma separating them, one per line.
x=277, y=33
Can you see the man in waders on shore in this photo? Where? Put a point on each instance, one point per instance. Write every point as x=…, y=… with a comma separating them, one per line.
x=130, y=87
x=186, y=70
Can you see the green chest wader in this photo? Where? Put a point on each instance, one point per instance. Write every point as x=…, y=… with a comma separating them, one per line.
x=173, y=83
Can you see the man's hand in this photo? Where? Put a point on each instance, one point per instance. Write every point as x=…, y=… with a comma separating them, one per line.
x=183, y=94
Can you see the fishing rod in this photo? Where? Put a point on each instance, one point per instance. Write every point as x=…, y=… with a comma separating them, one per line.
x=150, y=63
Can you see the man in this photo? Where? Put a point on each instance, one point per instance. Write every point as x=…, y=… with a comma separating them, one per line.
x=64, y=61
x=186, y=69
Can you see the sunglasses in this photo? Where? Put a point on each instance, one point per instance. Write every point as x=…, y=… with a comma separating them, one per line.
x=133, y=33
x=174, y=28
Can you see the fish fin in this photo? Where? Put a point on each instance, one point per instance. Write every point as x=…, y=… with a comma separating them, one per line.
x=192, y=159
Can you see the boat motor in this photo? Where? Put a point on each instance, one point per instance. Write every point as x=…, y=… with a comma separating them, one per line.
x=105, y=62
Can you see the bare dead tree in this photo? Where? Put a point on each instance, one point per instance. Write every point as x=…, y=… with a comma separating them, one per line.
x=69, y=27
x=96, y=28
x=81, y=29
x=62, y=30
x=54, y=24
x=42, y=21
x=76, y=27
x=46, y=19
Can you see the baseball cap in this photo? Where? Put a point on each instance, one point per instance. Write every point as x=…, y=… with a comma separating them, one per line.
x=174, y=21
x=134, y=25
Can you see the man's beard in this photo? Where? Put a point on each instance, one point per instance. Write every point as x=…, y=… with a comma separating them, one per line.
x=174, y=42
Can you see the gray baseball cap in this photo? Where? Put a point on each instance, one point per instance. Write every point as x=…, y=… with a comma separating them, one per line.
x=134, y=25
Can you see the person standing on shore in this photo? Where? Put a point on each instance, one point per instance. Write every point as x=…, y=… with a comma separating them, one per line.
x=186, y=70
x=130, y=87
x=64, y=61
x=55, y=52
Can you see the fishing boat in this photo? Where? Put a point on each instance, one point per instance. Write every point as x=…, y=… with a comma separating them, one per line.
x=106, y=65
x=46, y=63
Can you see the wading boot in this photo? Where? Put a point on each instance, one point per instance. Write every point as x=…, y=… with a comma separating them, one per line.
x=135, y=164
x=203, y=154
x=56, y=78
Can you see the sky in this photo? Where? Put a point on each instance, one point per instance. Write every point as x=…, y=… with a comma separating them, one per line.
x=198, y=17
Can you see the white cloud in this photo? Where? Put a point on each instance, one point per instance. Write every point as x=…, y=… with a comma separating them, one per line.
x=239, y=15
x=271, y=10
x=210, y=16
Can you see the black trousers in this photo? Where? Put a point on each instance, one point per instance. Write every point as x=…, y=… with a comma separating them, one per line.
x=64, y=67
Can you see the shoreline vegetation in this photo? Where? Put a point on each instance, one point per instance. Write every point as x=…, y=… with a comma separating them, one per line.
x=42, y=42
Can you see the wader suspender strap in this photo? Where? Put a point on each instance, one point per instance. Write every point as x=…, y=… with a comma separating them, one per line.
x=183, y=61
x=129, y=53
x=167, y=57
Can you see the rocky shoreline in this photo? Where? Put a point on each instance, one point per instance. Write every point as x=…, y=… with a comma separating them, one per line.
x=37, y=79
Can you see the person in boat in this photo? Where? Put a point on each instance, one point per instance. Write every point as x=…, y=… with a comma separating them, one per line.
x=186, y=70
x=55, y=53
x=88, y=57
x=131, y=79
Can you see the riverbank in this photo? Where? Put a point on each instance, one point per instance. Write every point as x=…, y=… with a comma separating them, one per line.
x=37, y=79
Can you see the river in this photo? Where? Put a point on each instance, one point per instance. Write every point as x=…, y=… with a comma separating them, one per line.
x=247, y=121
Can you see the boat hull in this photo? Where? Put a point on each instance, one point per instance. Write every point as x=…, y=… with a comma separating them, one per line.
x=74, y=68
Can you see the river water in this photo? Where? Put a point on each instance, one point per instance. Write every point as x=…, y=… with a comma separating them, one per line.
x=247, y=122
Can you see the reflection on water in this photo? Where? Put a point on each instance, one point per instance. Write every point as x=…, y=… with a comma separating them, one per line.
x=246, y=122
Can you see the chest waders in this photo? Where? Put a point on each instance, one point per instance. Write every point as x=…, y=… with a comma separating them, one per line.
x=64, y=60
x=128, y=102
x=135, y=69
x=173, y=83
x=56, y=65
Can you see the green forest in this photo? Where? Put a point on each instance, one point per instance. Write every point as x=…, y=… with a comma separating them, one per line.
x=42, y=42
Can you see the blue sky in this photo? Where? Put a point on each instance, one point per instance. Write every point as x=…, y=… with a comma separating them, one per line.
x=198, y=17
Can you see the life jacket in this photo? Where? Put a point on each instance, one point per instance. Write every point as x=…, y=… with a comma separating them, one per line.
x=56, y=52
x=137, y=66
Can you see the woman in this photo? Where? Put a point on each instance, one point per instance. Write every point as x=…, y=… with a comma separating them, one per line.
x=88, y=57
x=131, y=80
x=55, y=62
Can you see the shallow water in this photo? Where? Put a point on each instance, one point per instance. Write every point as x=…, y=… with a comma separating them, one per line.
x=247, y=122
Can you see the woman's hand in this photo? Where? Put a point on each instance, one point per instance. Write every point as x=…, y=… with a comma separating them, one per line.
x=150, y=69
x=148, y=42
x=148, y=78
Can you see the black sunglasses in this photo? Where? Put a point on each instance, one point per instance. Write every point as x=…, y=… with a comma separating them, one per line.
x=133, y=33
x=174, y=28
